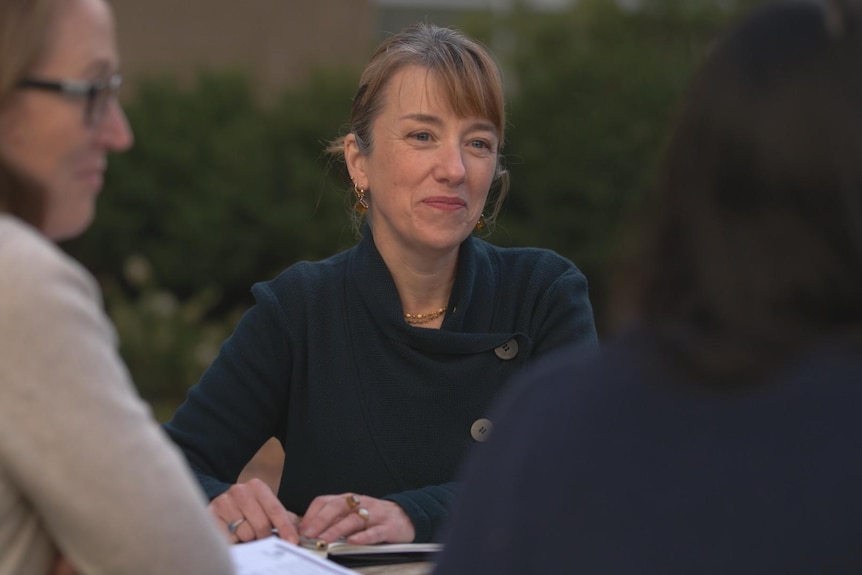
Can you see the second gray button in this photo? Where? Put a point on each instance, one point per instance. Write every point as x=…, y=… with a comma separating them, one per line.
x=508, y=350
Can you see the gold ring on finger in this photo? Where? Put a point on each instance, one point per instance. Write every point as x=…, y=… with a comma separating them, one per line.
x=352, y=501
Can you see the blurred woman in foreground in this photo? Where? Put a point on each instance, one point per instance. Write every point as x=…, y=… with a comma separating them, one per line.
x=88, y=481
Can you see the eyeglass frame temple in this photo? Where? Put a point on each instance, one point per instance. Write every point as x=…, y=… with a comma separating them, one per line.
x=76, y=88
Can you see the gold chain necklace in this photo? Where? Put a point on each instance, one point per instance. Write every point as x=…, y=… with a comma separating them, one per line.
x=418, y=318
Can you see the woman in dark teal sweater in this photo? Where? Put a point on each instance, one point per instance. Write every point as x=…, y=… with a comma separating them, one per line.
x=375, y=368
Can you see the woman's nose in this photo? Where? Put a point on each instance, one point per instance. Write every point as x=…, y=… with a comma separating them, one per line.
x=114, y=131
x=451, y=167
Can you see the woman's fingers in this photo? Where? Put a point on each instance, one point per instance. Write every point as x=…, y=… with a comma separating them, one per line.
x=250, y=510
x=324, y=511
x=360, y=518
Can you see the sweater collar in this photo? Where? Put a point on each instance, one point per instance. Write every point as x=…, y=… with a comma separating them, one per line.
x=470, y=303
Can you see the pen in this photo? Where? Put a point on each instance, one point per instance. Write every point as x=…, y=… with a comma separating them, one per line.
x=318, y=544
x=307, y=541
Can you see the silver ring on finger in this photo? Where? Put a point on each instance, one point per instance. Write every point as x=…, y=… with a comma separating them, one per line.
x=234, y=525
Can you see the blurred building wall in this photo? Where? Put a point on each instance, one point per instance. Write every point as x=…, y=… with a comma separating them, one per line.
x=277, y=42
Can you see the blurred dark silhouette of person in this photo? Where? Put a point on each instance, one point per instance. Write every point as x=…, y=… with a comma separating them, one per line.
x=718, y=430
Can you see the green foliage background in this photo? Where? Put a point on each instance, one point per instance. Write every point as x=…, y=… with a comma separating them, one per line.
x=221, y=191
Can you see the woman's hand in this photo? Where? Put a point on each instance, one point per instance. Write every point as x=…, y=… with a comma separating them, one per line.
x=361, y=519
x=250, y=510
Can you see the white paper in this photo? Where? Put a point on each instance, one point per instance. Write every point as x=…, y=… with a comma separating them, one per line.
x=274, y=556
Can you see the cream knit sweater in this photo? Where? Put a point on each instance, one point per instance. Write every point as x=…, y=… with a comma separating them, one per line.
x=84, y=469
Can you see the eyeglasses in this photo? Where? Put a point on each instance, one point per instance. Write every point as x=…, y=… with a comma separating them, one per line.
x=98, y=94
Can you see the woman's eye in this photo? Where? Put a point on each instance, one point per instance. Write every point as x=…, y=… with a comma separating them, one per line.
x=422, y=136
x=481, y=144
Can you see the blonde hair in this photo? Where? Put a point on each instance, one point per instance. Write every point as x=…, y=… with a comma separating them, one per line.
x=470, y=77
x=25, y=27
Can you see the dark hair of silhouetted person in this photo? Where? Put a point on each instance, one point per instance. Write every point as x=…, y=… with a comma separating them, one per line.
x=751, y=245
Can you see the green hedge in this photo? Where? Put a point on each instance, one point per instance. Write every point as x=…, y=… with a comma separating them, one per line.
x=221, y=191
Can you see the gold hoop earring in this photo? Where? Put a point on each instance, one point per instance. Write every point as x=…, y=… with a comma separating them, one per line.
x=480, y=225
x=361, y=204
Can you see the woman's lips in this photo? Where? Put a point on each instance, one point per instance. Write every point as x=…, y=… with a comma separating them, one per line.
x=445, y=203
x=94, y=178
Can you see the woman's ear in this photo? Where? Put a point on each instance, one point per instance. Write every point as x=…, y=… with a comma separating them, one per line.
x=355, y=161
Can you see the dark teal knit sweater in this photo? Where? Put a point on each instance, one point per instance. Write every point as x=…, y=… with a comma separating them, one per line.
x=362, y=401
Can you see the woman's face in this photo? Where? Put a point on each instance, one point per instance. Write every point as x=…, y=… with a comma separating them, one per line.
x=428, y=172
x=44, y=136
